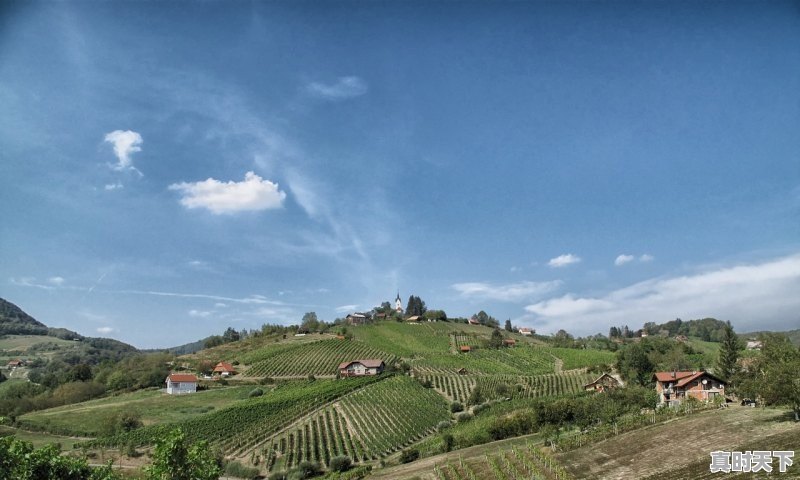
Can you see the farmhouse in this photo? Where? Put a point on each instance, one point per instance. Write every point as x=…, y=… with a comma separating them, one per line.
x=178, y=383
x=526, y=331
x=604, y=382
x=12, y=364
x=224, y=369
x=464, y=348
x=473, y=321
x=360, y=368
x=674, y=387
x=356, y=318
x=509, y=342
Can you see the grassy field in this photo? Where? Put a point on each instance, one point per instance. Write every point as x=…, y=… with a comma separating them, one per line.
x=13, y=347
x=40, y=439
x=154, y=407
x=684, y=443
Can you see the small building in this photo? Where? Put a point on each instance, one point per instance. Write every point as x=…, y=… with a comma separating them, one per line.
x=415, y=318
x=675, y=387
x=473, y=321
x=360, y=368
x=604, y=382
x=754, y=345
x=526, y=331
x=178, y=383
x=462, y=371
x=224, y=369
x=12, y=364
x=509, y=342
x=356, y=318
x=464, y=348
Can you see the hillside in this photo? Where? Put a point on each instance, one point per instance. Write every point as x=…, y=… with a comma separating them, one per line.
x=14, y=321
x=793, y=335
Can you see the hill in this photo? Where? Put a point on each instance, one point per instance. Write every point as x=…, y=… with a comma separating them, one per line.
x=14, y=321
x=793, y=335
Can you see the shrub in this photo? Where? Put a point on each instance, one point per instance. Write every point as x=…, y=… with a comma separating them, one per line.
x=311, y=377
x=409, y=455
x=340, y=464
x=236, y=469
x=267, y=381
x=479, y=408
x=448, y=441
x=443, y=425
x=456, y=407
x=463, y=417
x=256, y=392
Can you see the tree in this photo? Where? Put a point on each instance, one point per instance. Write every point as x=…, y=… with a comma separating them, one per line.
x=634, y=365
x=415, y=306
x=309, y=322
x=728, y=354
x=774, y=376
x=496, y=340
x=230, y=335
x=19, y=459
x=509, y=328
x=174, y=458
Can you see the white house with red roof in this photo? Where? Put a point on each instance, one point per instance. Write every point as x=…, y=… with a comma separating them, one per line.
x=224, y=369
x=675, y=387
x=178, y=383
x=360, y=368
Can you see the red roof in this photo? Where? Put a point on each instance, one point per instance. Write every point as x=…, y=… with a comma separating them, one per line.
x=682, y=378
x=223, y=367
x=510, y=341
x=182, y=377
x=369, y=363
x=465, y=348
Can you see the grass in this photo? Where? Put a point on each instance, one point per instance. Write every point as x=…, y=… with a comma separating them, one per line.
x=154, y=407
x=39, y=439
x=581, y=358
x=641, y=453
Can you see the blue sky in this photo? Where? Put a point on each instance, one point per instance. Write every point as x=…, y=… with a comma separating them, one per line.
x=171, y=169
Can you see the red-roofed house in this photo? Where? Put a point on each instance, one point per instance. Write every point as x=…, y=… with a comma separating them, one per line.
x=178, y=383
x=604, y=382
x=526, y=331
x=224, y=369
x=509, y=342
x=360, y=368
x=674, y=387
x=464, y=348
x=12, y=364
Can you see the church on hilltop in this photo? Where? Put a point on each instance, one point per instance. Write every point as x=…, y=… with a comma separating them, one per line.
x=398, y=304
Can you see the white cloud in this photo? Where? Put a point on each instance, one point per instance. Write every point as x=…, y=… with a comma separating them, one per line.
x=220, y=305
x=623, y=259
x=105, y=330
x=563, y=260
x=252, y=194
x=752, y=297
x=512, y=292
x=199, y=313
x=57, y=281
x=346, y=308
x=345, y=87
x=125, y=143
x=113, y=186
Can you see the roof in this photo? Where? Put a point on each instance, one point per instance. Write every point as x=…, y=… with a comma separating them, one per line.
x=15, y=362
x=509, y=340
x=524, y=329
x=682, y=378
x=223, y=367
x=600, y=378
x=182, y=377
x=415, y=318
x=465, y=348
x=369, y=363
x=357, y=315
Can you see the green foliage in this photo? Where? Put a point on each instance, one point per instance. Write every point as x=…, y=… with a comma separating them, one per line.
x=342, y=463
x=496, y=340
x=634, y=365
x=447, y=442
x=508, y=326
x=237, y=470
x=409, y=455
x=773, y=377
x=415, y=306
x=175, y=458
x=20, y=460
x=727, y=365
x=256, y=392
x=456, y=407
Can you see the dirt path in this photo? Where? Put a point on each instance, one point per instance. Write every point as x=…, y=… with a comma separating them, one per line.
x=424, y=468
x=559, y=366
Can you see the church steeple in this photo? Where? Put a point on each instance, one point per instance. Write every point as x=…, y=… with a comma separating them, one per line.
x=398, y=304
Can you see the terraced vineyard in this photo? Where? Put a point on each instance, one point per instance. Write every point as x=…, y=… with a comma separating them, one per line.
x=365, y=425
x=528, y=462
x=521, y=360
x=459, y=387
x=251, y=422
x=317, y=358
x=579, y=358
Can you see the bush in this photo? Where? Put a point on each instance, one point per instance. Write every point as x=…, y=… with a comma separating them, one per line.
x=464, y=417
x=340, y=464
x=267, y=381
x=236, y=469
x=479, y=408
x=256, y=392
x=456, y=407
x=448, y=441
x=311, y=377
x=443, y=425
x=409, y=455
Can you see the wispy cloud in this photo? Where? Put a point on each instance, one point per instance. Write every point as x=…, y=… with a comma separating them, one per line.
x=109, y=187
x=346, y=308
x=563, y=260
x=253, y=299
x=105, y=330
x=623, y=259
x=343, y=88
x=57, y=281
x=252, y=194
x=750, y=296
x=125, y=143
x=513, y=292
x=199, y=313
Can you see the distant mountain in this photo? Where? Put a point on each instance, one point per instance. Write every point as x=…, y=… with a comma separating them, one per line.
x=794, y=335
x=187, y=348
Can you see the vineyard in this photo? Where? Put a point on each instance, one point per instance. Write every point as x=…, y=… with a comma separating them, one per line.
x=518, y=462
x=317, y=358
x=490, y=387
x=366, y=425
x=250, y=422
x=574, y=358
x=522, y=360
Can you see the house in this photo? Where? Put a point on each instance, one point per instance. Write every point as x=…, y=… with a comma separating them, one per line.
x=415, y=318
x=674, y=387
x=360, y=368
x=462, y=371
x=473, y=321
x=604, y=382
x=464, y=348
x=509, y=342
x=754, y=345
x=12, y=364
x=526, y=331
x=224, y=369
x=178, y=383
x=356, y=319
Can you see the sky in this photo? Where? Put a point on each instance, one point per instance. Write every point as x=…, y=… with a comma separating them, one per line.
x=170, y=169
